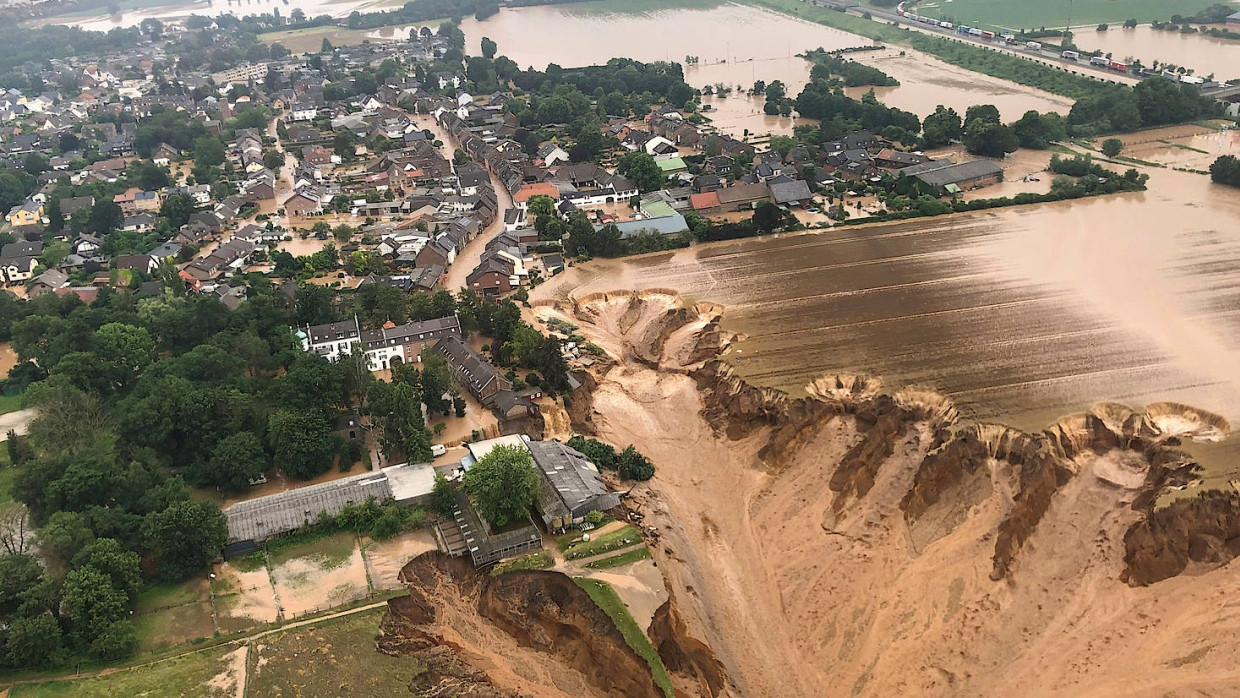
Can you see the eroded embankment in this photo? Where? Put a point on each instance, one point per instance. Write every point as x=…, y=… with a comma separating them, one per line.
x=863, y=542
x=522, y=633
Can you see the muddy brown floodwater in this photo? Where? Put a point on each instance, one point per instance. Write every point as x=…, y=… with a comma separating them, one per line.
x=737, y=45
x=1203, y=54
x=1020, y=316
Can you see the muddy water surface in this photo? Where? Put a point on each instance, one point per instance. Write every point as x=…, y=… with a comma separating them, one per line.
x=1021, y=316
x=1203, y=54
x=737, y=45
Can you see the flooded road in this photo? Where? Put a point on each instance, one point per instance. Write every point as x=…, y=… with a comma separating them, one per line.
x=1021, y=316
x=1205, y=55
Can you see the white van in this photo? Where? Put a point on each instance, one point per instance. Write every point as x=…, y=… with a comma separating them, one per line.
x=438, y=450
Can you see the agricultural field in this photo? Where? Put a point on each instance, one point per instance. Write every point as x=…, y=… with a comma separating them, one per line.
x=334, y=658
x=172, y=614
x=1021, y=14
x=211, y=673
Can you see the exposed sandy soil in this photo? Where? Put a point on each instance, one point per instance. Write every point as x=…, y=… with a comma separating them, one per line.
x=245, y=597
x=303, y=584
x=384, y=559
x=639, y=585
x=232, y=680
x=805, y=578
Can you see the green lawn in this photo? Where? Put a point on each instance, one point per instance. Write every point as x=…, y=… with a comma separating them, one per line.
x=624, y=558
x=170, y=614
x=335, y=658
x=328, y=551
x=534, y=561
x=607, y=599
x=10, y=403
x=615, y=540
x=1033, y=14
x=183, y=677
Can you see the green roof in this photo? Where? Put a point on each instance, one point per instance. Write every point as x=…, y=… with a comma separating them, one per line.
x=672, y=164
x=657, y=209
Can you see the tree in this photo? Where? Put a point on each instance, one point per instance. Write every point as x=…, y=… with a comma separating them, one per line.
x=91, y=604
x=640, y=167
x=503, y=485
x=1034, y=130
x=1112, y=147
x=767, y=218
x=942, y=127
x=489, y=48
x=300, y=442
x=326, y=46
x=443, y=497
x=990, y=139
x=33, y=641
x=108, y=556
x=1226, y=170
x=436, y=383
x=208, y=152
x=635, y=466
x=64, y=535
x=105, y=217
x=123, y=351
x=35, y=164
x=540, y=205
x=183, y=538
x=236, y=460
x=177, y=208
x=18, y=574
x=985, y=112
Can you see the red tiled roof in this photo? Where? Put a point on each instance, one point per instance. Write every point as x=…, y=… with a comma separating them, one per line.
x=529, y=190
x=704, y=200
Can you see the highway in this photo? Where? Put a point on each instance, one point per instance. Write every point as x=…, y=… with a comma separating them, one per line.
x=1045, y=57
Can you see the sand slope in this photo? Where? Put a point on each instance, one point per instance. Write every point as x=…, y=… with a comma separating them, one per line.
x=806, y=580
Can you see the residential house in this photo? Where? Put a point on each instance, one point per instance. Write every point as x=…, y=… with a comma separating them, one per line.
x=479, y=377
x=19, y=259
x=28, y=212
x=73, y=204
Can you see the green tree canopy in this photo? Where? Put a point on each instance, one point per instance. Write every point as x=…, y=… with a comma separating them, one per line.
x=183, y=538
x=503, y=485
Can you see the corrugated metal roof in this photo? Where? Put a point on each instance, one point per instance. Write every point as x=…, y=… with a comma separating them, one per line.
x=261, y=518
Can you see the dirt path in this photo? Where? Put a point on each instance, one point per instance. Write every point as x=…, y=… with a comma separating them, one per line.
x=18, y=422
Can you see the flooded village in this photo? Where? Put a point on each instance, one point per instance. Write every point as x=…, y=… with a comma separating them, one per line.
x=598, y=349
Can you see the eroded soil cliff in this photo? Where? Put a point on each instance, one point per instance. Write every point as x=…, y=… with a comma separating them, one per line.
x=857, y=541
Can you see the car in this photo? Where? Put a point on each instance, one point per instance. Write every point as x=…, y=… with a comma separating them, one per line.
x=438, y=450
x=813, y=210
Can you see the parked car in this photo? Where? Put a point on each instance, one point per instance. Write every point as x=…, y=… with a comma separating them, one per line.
x=438, y=450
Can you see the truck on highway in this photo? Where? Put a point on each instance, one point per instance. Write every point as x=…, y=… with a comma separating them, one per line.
x=1071, y=55
x=1033, y=46
x=1118, y=66
x=1098, y=60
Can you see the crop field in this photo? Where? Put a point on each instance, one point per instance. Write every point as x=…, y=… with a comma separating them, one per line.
x=334, y=658
x=1021, y=14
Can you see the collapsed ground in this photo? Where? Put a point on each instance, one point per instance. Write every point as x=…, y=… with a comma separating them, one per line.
x=856, y=543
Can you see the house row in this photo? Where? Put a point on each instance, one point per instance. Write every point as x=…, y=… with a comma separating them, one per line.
x=385, y=347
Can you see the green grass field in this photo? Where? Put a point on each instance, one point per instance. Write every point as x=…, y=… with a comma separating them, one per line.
x=10, y=403
x=624, y=558
x=335, y=658
x=615, y=540
x=1033, y=14
x=183, y=677
x=607, y=599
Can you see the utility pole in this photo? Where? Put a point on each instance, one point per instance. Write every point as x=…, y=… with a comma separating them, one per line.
x=1067, y=29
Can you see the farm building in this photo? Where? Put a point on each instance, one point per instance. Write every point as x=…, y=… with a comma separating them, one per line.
x=946, y=177
x=255, y=520
x=570, y=486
